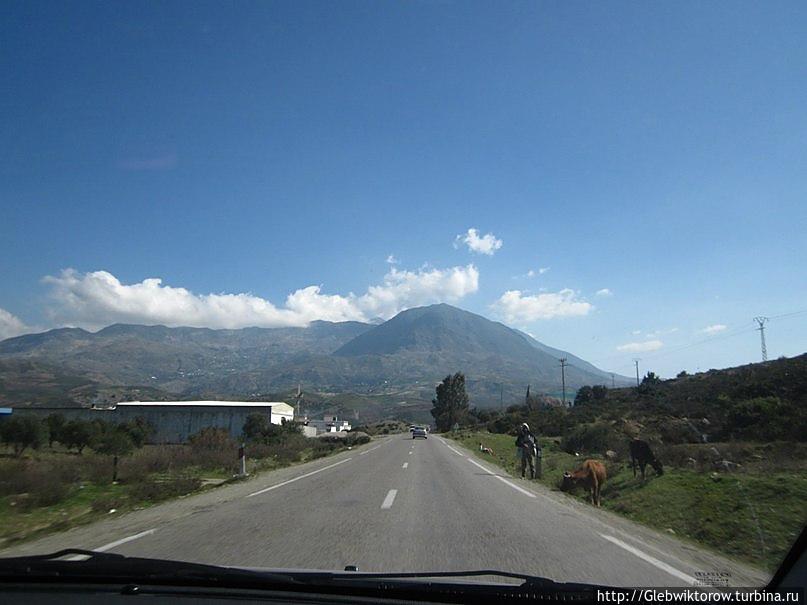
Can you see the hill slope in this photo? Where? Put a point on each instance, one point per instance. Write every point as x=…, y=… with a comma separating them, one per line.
x=401, y=358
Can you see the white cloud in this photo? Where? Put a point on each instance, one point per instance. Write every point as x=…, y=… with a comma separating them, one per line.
x=636, y=332
x=714, y=329
x=641, y=347
x=391, y=260
x=516, y=307
x=486, y=244
x=98, y=298
x=11, y=325
x=532, y=273
x=605, y=292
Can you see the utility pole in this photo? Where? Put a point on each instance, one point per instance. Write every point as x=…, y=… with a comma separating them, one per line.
x=636, y=363
x=761, y=321
x=612, y=380
x=563, y=377
x=501, y=396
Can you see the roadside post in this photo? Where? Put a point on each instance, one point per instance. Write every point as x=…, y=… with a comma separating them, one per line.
x=242, y=457
x=538, y=458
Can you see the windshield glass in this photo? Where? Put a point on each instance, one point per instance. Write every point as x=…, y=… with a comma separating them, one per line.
x=410, y=286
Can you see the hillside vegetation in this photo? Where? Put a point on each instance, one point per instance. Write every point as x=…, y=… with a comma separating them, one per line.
x=733, y=444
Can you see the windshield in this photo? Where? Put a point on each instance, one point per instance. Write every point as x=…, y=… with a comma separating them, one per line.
x=407, y=286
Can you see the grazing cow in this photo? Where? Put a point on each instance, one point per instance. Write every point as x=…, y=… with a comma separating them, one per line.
x=485, y=450
x=641, y=453
x=591, y=476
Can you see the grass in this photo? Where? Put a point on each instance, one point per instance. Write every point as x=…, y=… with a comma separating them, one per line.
x=752, y=516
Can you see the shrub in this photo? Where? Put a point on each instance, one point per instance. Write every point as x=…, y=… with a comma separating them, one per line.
x=592, y=437
x=155, y=491
x=22, y=432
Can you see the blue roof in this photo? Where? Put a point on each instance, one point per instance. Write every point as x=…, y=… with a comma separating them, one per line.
x=5, y=410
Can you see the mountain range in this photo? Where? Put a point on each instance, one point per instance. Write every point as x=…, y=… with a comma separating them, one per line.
x=399, y=359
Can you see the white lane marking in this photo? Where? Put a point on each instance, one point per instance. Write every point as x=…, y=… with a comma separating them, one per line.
x=410, y=452
x=405, y=464
x=112, y=545
x=503, y=480
x=387, y=503
x=324, y=468
x=370, y=450
x=652, y=560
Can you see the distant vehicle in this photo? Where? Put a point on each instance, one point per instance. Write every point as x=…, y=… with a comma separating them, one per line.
x=419, y=431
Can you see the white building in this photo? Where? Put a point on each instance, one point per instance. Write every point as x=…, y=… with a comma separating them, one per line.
x=329, y=424
x=175, y=421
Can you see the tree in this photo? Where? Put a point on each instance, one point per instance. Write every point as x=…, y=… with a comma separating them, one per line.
x=584, y=395
x=682, y=374
x=138, y=430
x=79, y=434
x=55, y=423
x=255, y=427
x=599, y=392
x=649, y=382
x=450, y=405
x=22, y=432
x=114, y=442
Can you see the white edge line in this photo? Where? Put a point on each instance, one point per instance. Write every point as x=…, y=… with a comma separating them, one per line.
x=319, y=470
x=652, y=560
x=112, y=545
x=387, y=503
x=503, y=480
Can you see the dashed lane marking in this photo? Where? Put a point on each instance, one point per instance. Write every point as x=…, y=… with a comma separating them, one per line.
x=387, y=503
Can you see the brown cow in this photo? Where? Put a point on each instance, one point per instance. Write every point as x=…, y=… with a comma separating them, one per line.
x=591, y=476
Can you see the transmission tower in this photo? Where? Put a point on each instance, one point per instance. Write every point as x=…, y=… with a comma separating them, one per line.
x=563, y=377
x=636, y=363
x=761, y=321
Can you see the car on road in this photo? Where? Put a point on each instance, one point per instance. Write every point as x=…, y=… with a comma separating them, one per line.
x=419, y=431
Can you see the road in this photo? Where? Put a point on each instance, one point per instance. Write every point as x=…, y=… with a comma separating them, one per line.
x=400, y=504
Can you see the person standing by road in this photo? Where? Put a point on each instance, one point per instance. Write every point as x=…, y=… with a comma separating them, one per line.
x=526, y=443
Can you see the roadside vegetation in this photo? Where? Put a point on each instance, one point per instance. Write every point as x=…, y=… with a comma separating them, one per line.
x=56, y=474
x=733, y=444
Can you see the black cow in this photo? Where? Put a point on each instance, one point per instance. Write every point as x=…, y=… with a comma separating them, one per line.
x=640, y=452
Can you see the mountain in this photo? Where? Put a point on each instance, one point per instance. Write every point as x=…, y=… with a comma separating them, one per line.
x=396, y=362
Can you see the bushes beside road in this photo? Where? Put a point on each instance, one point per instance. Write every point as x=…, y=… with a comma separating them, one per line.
x=48, y=487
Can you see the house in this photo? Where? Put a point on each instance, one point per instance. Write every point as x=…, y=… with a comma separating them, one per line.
x=330, y=423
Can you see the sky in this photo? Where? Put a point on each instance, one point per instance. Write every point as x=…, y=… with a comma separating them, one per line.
x=620, y=180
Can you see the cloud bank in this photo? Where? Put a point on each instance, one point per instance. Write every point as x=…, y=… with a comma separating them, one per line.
x=485, y=244
x=517, y=308
x=714, y=329
x=640, y=347
x=11, y=325
x=98, y=298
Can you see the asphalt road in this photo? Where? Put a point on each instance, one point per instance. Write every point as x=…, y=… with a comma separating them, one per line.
x=400, y=504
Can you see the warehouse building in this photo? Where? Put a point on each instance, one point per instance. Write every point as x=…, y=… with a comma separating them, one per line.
x=176, y=421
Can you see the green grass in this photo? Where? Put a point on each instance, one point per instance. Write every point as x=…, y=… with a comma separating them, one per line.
x=752, y=517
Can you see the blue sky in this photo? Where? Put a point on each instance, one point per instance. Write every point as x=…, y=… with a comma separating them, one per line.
x=265, y=159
